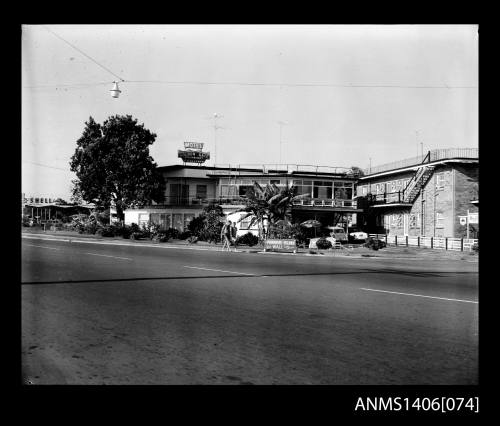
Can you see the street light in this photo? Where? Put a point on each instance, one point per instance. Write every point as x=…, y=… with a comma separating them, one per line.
x=115, y=91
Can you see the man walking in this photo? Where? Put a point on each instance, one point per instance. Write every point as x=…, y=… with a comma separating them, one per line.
x=234, y=232
x=226, y=236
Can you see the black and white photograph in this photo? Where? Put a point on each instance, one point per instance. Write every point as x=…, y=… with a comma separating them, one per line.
x=250, y=204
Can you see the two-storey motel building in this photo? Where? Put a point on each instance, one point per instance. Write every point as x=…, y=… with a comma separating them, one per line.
x=431, y=195
x=330, y=193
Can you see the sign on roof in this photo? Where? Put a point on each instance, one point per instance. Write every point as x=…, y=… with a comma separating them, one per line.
x=193, y=145
x=193, y=156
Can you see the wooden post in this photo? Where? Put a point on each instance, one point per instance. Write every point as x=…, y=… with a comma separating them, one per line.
x=396, y=240
x=446, y=243
x=418, y=240
x=461, y=244
x=432, y=242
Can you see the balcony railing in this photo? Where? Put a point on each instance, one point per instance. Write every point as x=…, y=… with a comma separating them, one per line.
x=389, y=198
x=196, y=201
x=235, y=200
x=320, y=202
x=435, y=155
x=242, y=169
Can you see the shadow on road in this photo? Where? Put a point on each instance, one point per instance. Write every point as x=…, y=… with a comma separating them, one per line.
x=428, y=274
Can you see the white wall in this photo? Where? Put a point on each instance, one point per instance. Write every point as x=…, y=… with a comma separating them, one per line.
x=235, y=217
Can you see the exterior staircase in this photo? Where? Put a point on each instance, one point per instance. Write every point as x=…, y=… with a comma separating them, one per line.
x=418, y=181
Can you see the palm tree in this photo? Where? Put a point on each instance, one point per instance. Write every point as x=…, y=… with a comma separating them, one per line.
x=270, y=204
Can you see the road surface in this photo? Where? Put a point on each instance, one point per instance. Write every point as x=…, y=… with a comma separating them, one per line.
x=107, y=314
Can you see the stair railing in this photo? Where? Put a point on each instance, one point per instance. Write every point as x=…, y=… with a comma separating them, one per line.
x=418, y=174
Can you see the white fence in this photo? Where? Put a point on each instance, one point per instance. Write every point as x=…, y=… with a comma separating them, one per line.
x=440, y=243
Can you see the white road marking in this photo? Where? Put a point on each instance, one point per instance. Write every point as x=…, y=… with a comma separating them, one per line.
x=51, y=248
x=105, y=255
x=219, y=270
x=420, y=295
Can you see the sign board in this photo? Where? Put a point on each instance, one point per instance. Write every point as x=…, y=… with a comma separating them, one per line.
x=193, y=156
x=474, y=218
x=276, y=244
x=193, y=145
x=463, y=220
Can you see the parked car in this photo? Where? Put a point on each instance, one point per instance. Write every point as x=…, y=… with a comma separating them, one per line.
x=357, y=236
x=338, y=233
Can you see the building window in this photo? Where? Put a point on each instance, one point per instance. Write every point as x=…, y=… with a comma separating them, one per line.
x=201, y=191
x=439, y=180
x=188, y=217
x=161, y=219
x=276, y=181
x=439, y=220
x=245, y=223
x=179, y=193
x=177, y=222
x=413, y=220
x=143, y=219
x=343, y=190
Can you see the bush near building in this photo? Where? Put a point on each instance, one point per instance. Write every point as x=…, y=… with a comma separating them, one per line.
x=247, y=239
x=323, y=244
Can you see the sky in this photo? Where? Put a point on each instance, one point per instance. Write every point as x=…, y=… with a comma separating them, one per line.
x=350, y=95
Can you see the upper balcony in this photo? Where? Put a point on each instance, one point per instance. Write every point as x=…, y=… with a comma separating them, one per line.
x=434, y=155
x=319, y=203
x=389, y=199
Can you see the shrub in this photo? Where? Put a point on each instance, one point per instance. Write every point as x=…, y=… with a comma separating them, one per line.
x=475, y=247
x=173, y=233
x=161, y=237
x=84, y=224
x=121, y=230
x=192, y=239
x=184, y=235
x=106, y=231
x=248, y=239
x=323, y=244
x=197, y=225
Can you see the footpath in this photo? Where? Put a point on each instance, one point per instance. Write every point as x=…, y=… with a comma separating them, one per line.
x=391, y=252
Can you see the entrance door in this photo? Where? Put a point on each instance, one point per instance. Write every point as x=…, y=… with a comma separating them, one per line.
x=406, y=224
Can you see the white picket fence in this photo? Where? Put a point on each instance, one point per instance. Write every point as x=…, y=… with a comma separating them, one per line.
x=442, y=243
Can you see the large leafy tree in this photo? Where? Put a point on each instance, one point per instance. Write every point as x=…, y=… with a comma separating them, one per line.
x=113, y=165
x=269, y=203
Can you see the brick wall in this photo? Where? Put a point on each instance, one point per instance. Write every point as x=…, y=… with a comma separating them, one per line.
x=467, y=188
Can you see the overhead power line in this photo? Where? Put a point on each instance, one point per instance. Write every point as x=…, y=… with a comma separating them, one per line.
x=221, y=83
x=45, y=165
x=300, y=84
x=82, y=52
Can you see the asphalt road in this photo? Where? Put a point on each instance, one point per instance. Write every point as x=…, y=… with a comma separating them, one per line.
x=104, y=314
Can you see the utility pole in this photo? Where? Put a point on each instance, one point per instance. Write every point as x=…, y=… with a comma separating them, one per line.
x=281, y=124
x=215, y=117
